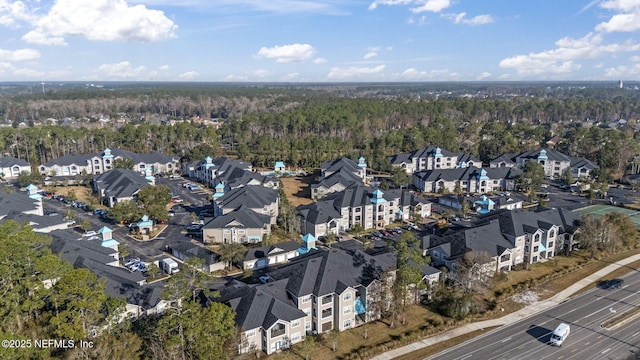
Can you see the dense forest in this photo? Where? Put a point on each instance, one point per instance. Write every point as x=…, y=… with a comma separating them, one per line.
x=306, y=125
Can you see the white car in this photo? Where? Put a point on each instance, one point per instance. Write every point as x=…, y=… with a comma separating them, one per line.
x=90, y=233
x=131, y=262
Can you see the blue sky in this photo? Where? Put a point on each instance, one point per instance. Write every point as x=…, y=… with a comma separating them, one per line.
x=319, y=40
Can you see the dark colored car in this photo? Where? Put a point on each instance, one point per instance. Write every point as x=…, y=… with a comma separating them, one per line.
x=617, y=283
x=611, y=284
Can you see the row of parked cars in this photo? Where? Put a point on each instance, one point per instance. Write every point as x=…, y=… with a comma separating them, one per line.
x=191, y=186
x=135, y=264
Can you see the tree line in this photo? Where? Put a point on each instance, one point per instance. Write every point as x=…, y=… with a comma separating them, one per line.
x=306, y=128
x=44, y=297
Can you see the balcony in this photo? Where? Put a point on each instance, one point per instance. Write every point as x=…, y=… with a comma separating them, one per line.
x=327, y=312
x=278, y=330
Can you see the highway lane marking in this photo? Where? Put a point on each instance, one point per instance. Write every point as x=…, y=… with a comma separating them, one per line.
x=506, y=339
x=636, y=334
x=587, y=343
x=605, y=351
x=466, y=357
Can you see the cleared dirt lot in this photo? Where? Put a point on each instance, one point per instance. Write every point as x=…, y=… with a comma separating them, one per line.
x=297, y=189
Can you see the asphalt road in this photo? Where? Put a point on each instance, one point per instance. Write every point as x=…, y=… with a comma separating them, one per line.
x=529, y=338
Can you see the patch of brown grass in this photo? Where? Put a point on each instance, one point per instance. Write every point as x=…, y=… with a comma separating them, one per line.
x=297, y=189
x=350, y=341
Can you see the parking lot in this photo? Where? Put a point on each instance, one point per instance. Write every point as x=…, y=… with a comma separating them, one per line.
x=195, y=201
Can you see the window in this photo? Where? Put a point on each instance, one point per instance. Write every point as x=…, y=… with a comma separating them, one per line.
x=358, y=218
x=96, y=161
x=535, y=248
x=295, y=337
x=307, y=311
x=346, y=296
x=327, y=312
x=250, y=333
x=346, y=310
x=358, y=210
x=295, y=323
x=347, y=324
x=306, y=299
x=326, y=299
x=550, y=244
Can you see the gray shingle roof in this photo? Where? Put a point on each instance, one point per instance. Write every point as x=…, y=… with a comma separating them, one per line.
x=325, y=272
x=259, y=305
x=254, y=197
x=6, y=161
x=15, y=202
x=482, y=238
x=468, y=173
x=121, y=183
x=246, y=217
x=280, y=248
x=198, y=251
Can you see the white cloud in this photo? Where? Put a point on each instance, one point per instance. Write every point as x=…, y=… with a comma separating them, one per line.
x=320, y=61
x=262, y=73
x=13, y=12
x=461, y=18
x=370, y=55
x=288, y=53
x=189, y=75
x=164, y=67
x=483, y=76
x=233, y=77
x=635, y=58
x=418, y=6
x=354, y=73
x=569, y=51
x=412, y=74
x=19, y=55
x=291, y=77
x=122, y=70
x=101, y=20
x=621, y=23
x=623, y=72
x=40, y=38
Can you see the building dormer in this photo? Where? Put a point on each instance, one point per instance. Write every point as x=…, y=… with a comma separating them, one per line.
x=107, y=154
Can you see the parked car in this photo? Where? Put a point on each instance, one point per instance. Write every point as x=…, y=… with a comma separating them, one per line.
x=90, y=233
x=131, y=262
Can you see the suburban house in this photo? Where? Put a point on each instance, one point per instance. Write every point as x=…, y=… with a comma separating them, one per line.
x=210, y=260
x=366, y=206
x=229, y=173
x=555, y=163
x=11, y=167
x=119, y=185
x=259, y=199
x=433, y=158
x=73, y=165
x=241, y=225
x=468, y=179
x=313, y=293
x=258, y=258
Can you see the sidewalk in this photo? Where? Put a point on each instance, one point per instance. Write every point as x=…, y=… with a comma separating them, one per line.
x=509, y=318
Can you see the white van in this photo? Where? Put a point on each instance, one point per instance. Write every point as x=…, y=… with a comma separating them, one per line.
x=560, y=334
